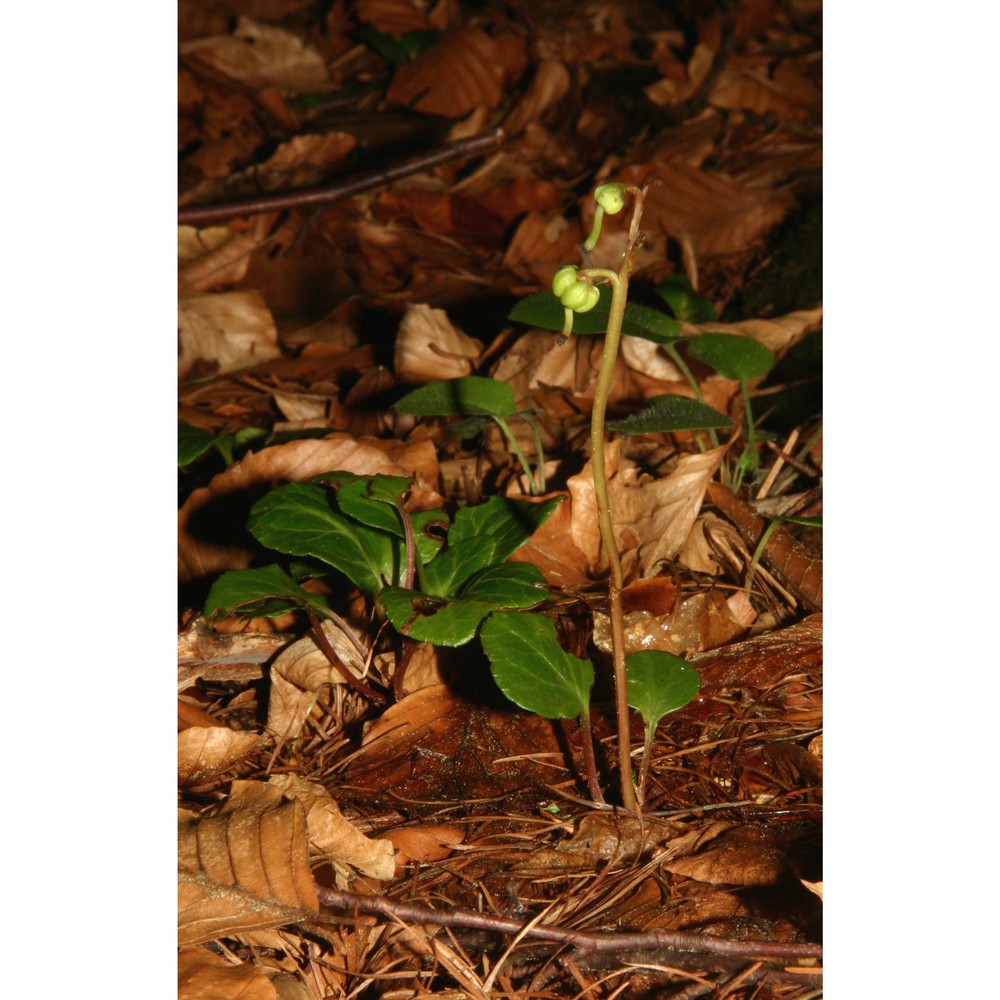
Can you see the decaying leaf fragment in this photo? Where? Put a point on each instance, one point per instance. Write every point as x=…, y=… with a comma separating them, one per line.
x=652, y=517
x=332, y=837
x=430, y=348
x=300, y=672
x=203, y=752
x=225, y=332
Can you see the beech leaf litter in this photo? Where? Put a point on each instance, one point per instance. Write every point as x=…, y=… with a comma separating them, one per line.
x=369, y=191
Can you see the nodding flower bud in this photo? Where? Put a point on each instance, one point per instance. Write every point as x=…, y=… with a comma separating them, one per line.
x=611, y=197
x=563, y=279
x=580, y=298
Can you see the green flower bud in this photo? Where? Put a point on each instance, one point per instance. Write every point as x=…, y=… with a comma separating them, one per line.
x=611, y=197
x=563, y=279
x=579, y=297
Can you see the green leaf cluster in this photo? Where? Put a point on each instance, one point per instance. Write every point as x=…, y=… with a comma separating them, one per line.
x=357, y=526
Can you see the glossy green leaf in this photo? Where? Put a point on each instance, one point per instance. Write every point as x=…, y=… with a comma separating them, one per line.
x=482, y=536
x=509, y=585
x=532, y=669
x=664, y=414
x=684, y=302
x=546, y=311
x=298, y=519
x=430, y=619
x=258, y=593
x=472, y=395
x=658, y=683
x=192, y=443
x=732, y=356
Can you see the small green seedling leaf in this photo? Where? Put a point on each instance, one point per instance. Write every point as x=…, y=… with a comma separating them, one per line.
x=298, y=519
x=732, y=356
x=472, y=395
x=658, y=683
x=546, y=311
x=192, y=443
x=532, y=669
x=399, y=51
x=264, y=592
x=665, y=414
x=684, y=302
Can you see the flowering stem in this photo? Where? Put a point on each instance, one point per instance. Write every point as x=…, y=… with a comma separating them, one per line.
x=619, y=291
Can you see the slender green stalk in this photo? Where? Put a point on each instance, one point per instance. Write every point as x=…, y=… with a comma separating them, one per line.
x=619, y=292
x=516, y=448
x=539, y=452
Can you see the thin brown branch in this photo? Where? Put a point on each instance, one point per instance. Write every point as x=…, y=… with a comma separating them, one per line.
x=367, y=180
x=600, y=941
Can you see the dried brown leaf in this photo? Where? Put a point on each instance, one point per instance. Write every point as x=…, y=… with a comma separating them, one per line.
x=208, y=258
x=424, y=843
x=479, y=752
x=202, y=975
x=224, y=332
x=203, y=752
x=430, y=348
x=300, y=672
x=259, y=55
x=733, y=864
x=652, y=517
x=243, y=869
x=710, y=212
x=332, y=836
x=459, y=74
x=394, y=17
x=220, y=510
x=549, y=85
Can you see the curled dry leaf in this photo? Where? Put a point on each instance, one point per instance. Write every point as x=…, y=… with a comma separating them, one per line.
x=733, y=864
x=430, y=348
x=332, y=836
x=204, y=752
x=300, y=672
x=224, y=332
x=652, y=516
x=459, y=74
x=548, y=87
x=202, y=975
x=208, y=258
x=259, y=55
x=424, y=843
x=394, y=17
x=221, y=509
x=245, y=868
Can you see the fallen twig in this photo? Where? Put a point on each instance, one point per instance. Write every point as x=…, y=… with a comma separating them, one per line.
x=599, y=941
x=367, y=180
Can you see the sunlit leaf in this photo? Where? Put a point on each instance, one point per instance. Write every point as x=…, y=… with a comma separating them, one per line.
x=429, y=619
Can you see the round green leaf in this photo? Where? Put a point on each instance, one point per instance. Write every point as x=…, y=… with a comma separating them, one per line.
x=658, y=683
x=732, y=356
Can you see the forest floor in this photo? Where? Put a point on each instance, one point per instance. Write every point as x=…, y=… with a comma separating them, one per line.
x=367, y=190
